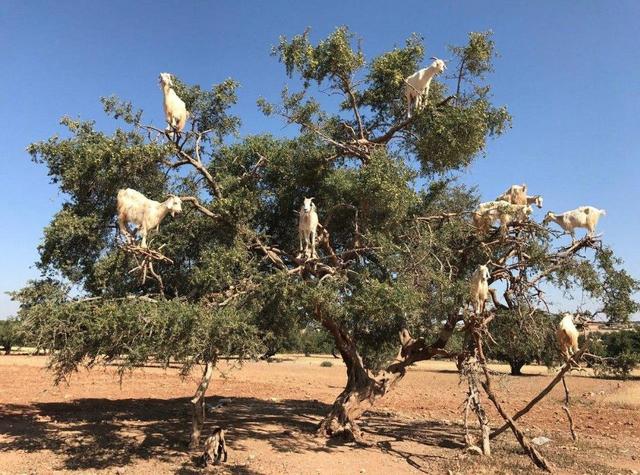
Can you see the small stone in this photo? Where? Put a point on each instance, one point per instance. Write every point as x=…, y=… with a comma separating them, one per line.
x=541, y=440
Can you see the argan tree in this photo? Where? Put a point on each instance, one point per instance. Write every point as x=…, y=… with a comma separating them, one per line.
x=396, y=247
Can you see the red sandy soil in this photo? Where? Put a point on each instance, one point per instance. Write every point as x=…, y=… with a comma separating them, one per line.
x=97, y=425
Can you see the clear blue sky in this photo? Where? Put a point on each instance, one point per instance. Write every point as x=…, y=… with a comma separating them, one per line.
x=569, y=73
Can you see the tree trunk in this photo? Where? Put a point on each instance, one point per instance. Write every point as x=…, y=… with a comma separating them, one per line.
x=364, y=387
x=516, y=368
x=361, y=392
x=198, y=403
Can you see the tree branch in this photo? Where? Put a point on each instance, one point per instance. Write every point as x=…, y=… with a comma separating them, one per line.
x=199, y=207
x=567, y=366
x=389, y=134
x=354, y=105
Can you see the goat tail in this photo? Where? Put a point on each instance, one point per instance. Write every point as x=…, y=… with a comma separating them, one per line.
x=603, y=212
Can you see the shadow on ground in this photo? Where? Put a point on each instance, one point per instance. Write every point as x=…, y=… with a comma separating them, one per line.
x=103, y=433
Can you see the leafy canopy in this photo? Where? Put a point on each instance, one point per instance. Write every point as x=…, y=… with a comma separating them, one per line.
x=373, y=173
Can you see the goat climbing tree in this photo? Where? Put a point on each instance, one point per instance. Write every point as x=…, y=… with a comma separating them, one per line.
x=396, y=247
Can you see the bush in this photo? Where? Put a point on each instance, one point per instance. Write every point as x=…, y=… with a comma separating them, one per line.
x=326, y=364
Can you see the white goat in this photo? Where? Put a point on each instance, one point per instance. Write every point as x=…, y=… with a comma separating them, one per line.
x=417, y=85
x=516, y=195
x=307, y=227
x=567, y=336
x=480, y=288
x=146, y=214
x=492, y=211
x=583, y=217
x=175, y=111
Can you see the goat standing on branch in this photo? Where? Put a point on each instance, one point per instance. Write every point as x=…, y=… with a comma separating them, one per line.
x=491, y=211
x=517, y=195
x=146, y=214
x=567, y=335
x=480, y=288
x=583, y=217
x=175, y=110
x=307, y=228
x=417, y=85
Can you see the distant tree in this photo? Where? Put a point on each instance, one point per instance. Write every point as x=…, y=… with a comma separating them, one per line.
x=10, y=335
x=620, y=352
x=521, y=337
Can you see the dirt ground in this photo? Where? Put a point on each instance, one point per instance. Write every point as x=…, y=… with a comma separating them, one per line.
x=97, y=425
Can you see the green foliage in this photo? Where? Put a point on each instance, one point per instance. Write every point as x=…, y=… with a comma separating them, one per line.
x=444, y=140
x=333, y=58
x=89, y=167
x=208, y=110
x=441, y=139
x=603, y=280
x=315, y=340
x=477, y=55
x=385, y=78
x=136, y=331
x=326, y=364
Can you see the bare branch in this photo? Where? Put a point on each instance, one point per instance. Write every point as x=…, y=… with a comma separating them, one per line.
x=346, y=84
x=567, y=367
x=199, y=207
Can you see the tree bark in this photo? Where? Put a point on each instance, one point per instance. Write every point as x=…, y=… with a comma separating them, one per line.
x=360, y=393
x=198, y=405
x=516, y=368
x=364, y=387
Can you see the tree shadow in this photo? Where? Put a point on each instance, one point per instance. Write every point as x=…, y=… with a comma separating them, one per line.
x=103, y=433
x=418, y=442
